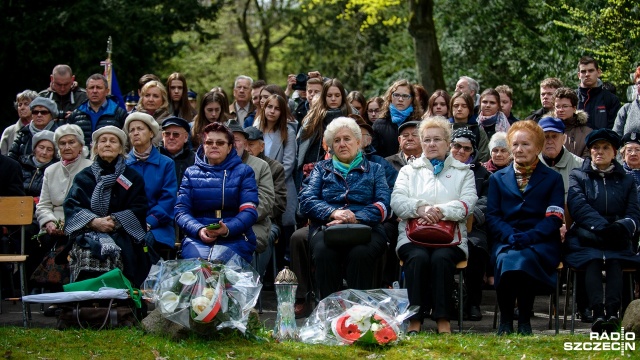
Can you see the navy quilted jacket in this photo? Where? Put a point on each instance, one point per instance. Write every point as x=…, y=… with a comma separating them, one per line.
x=364, y=191
x=229, y=187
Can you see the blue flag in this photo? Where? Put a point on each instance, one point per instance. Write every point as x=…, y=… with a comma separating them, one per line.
x=115, y=90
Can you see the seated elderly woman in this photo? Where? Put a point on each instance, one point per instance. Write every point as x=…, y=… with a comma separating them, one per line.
x=464, y=149
x=160, y=183
x=525, y=210
x=435, y=187
x=42, y=112
x=57, y=182
x=499, y=151
x=105, y=213
x=217, y=199
x=347, y=189
x=603, y=202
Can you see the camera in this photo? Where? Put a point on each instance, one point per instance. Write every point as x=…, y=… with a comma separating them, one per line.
x=301, y=82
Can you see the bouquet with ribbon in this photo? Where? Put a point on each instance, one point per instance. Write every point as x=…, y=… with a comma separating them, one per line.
x=196, y=292
x=359, y=316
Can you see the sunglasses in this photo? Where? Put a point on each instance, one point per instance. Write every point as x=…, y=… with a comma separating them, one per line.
x=171, y=134
x=461, y=147
x=218, y=143
x=40, y=112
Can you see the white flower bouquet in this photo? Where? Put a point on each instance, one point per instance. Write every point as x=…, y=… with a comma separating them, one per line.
x=211, y=293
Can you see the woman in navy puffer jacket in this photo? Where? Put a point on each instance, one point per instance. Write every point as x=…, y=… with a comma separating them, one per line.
x=219, y=188
x=347, y=189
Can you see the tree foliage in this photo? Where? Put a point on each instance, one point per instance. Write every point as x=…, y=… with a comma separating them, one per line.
x=611, y=33
x=39, y=34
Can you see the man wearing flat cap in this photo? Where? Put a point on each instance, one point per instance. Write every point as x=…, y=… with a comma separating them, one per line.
x=175, y=138
x=266, y=192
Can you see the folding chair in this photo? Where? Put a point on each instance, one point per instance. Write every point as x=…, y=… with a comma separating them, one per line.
x=553, y=305
x=572, y=283
x=17, y=210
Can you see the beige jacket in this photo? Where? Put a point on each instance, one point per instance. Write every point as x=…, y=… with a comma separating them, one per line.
x=55, y=186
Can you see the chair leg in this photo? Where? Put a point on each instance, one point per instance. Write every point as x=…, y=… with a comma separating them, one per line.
x=23, y=291
x=557, y=309
x=461, y=305
x=573, y=302
x=496, y=309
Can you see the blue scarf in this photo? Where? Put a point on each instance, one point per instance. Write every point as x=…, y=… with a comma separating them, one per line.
x=399, y=116
x=345, y=168
x=438, y=165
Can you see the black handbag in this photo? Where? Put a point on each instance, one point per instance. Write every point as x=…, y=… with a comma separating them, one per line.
x=346, y=235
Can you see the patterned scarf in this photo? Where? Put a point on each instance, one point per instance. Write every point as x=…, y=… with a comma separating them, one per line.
x=143, y=156
x=499, y=120
x=634, y=172
x=399, y=116
x=602, y=173
x=438, y=165
x=523, y=174
x=345, y=168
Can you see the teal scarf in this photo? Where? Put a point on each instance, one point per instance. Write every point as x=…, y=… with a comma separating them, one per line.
x=438, y=165
x=345, y=168
x=399, y=116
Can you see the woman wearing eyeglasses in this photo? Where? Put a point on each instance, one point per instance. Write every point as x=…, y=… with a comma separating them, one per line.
x=432, y=188
x=218, y=197
x=575, y=121
x=160, y=184
x=373, y=109
x=628, y=119
x=42, y=112
x=400, y=105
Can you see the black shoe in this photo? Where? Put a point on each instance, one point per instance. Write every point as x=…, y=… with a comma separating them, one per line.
x=611, y=325
x=50, y=311
x=598, y=325
x=475, y=314
x=505, y=329
x=585, y=316
x=525, y=328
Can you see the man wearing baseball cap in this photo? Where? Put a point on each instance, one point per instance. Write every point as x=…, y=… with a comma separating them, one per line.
x=175, y=139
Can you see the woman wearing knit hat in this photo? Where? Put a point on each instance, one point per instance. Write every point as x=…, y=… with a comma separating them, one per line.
x=42, y=112
x=55, y=186
x=160, y=185
x=105, y=213
x=500, y=153
x=463, y=149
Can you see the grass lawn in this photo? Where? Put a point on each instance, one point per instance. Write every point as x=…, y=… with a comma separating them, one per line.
x=38, y=343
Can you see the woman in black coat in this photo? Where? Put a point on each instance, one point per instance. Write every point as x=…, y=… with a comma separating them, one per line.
x=603, y=203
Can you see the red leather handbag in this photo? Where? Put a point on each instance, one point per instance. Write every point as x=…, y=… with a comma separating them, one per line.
x=440, y=234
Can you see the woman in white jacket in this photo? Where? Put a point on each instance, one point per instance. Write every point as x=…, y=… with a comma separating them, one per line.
x=432, y=188
x=57, y=181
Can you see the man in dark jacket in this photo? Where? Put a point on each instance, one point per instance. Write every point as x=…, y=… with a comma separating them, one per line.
x=601, y=105
x=98, y=110
x=409, y=145
x=548, y=87
x=64, y=91
x=175, y=136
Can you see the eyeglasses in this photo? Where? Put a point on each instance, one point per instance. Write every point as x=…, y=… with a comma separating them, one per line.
x=460, y=147
x=171, y=134
x=434, y=140
x=401, y=96
x=40, y=112
x=563, y=107
x=218, y=143
x=373, y=111
x=629, y=150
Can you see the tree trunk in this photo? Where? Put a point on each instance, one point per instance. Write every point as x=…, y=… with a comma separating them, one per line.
x=423, y=30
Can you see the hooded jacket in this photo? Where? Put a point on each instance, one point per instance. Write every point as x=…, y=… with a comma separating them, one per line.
x=576, y=129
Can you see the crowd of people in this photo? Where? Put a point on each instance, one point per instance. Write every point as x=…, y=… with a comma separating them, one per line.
x=336, y=184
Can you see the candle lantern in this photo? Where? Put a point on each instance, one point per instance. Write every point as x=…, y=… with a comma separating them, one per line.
x=286, y=284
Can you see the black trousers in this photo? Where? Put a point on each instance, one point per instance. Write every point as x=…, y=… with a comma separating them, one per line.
x=474, y=274
x=515, y=285
x=613, y=288
x=301, y=261
x=429, y=278
x=391, y=270
x=361, y=263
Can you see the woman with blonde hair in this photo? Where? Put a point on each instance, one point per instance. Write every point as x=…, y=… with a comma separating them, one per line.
x=154, y=101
